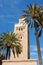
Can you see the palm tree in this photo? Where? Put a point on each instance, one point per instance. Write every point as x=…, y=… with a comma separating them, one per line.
x=1, y=47
x=11, y=42
x=2, y=57
x=32, y=17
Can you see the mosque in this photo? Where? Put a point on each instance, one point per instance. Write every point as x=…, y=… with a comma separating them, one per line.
x=22, y=33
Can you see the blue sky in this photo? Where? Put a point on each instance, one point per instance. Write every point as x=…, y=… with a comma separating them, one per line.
x=10, y=12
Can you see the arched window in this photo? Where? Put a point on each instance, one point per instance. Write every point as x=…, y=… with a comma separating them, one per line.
x=19, y=29
x=21, y=37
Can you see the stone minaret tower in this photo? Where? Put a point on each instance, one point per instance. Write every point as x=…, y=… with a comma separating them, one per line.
x=22, y=33
x=21, y=29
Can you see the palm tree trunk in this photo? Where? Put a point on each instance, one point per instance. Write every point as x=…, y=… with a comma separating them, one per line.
x=13, y=50
x=38, y=48
x=8, y=52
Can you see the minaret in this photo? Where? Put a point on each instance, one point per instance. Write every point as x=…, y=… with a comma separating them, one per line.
x=21, y=29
